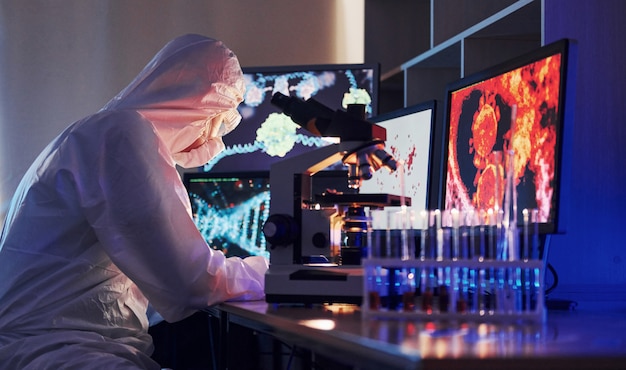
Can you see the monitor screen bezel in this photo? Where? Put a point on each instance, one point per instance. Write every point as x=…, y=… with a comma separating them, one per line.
x=566, y=48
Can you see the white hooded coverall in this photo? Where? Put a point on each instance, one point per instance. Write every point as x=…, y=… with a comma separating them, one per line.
x=101, y=223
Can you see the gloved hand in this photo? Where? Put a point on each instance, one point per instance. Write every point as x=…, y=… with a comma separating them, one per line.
x=259, y=266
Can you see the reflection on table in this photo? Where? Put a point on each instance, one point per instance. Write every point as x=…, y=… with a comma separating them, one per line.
x=570, y=340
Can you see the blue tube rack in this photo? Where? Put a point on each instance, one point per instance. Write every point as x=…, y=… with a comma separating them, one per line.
x=462, y=289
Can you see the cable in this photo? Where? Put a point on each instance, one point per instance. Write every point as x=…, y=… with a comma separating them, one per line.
x=555, y=279
x=557, y=304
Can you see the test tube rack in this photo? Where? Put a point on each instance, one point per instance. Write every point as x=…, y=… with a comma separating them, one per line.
x=454, y=289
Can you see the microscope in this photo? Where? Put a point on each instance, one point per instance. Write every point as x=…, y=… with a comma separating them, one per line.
x=317, y=241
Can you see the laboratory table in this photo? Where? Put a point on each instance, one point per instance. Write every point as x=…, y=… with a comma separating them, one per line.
x=578, y=339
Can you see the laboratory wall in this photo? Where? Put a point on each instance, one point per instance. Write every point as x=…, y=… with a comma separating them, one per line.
x=590, y=257
x=62, y=60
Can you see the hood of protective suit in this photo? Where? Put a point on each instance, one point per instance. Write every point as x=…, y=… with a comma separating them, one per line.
x=190, y=92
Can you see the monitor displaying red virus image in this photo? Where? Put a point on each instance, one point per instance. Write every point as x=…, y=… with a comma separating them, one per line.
x=509, y=120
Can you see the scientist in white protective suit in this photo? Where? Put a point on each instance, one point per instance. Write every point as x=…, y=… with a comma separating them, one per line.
x=101, y=223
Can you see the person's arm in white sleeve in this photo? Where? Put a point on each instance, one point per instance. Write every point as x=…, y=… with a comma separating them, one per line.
x=135, y=202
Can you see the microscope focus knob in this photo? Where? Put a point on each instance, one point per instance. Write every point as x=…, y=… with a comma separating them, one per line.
x=281, y=230
x=320, y=240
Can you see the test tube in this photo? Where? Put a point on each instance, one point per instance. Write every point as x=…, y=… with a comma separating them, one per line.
x=462, y=287
x=534, y=253
x=430, y=253
x=394, y=288
x=409, y=234
x=471, y=231
x=456, y=246
x=497, y=159
x=481, y=304
x=428, y=296
x=444, y=298
x=468, y=287
x=375, y=277
x=525, y=246
x=519, y=290
x=457, y=279
x=404, y=221
x=408, y=289
x=472, y=290
x=388, y=243
x=493, y=284
x=525, y=257
x=446, y=291
x=439, y=235
x=369, y=238
x=424, y=250
x=491, y=234
x=374, y=285
x=501, y=238
x=536, y=289
x=482, y=275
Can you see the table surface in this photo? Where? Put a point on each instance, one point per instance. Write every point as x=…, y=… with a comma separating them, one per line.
x=581, y=339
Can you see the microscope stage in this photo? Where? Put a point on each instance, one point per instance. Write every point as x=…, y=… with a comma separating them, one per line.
x=314, y=284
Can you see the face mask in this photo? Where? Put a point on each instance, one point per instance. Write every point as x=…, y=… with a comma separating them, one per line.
x=200, y=155
x=212, y=143
x=230, y=120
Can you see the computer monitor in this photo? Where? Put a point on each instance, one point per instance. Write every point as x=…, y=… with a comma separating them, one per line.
x=409, y=140
x=265, y=135
x=229, y=210
x=479, y=133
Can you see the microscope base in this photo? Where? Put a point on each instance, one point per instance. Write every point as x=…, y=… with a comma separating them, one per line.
x=314, y=284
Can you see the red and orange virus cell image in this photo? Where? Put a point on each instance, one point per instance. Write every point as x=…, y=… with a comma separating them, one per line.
x=483, y=135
